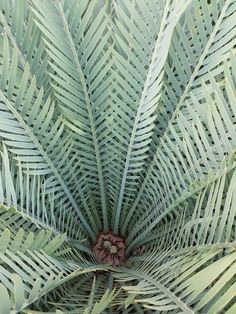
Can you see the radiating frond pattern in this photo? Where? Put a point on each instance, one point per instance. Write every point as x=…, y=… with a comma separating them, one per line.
x=117, y=134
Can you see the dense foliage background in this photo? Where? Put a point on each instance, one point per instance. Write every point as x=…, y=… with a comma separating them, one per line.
x=117, y=168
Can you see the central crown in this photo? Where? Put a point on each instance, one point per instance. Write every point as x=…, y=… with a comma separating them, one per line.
x=110, y=248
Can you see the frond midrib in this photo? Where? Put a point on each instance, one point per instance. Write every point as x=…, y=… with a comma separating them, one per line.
x=182, y=98
x=90, y=114
x=137, y=117
x=48, y=160
x=168, y=210
x=162, y=288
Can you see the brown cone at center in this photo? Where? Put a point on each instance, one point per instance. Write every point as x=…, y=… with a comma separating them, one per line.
x=110, y=248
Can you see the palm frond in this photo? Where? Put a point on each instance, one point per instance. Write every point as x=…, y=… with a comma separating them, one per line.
x=82, y=94
x=207, y=144
x=16, y=22
x=92, y=300
x=27, y=127
x=31, y=202
x=33, y=262
x=132, y=127
x=222, y=13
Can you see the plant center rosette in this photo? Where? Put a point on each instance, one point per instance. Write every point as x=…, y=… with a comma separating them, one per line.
x=110, y=249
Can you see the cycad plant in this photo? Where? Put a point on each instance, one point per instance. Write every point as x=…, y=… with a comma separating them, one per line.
x=117, y=168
